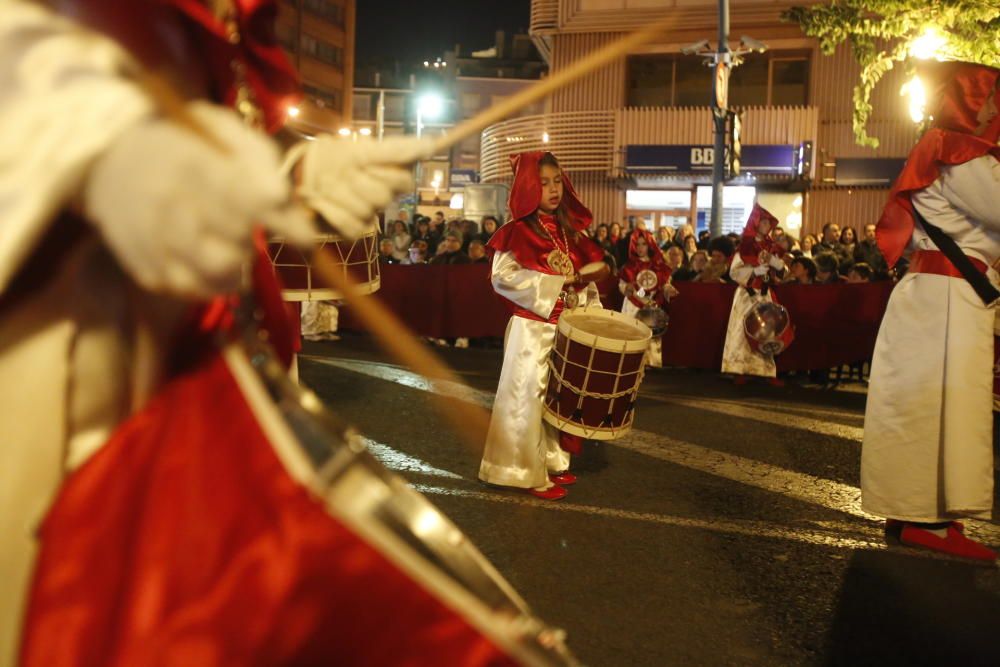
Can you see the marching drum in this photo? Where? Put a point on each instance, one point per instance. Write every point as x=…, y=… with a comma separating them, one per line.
x=595, y=368
x=768, y=328
x=294, y=266
x=392, y=516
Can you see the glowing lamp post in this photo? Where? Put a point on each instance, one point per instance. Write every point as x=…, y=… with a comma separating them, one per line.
x=429, y=106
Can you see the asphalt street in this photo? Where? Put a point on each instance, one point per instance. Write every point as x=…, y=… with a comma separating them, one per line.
x=725, y=530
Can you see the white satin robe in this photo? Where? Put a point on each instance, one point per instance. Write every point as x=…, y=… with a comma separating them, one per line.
x=737, y=356
x=654, y=353
x=521, y=449
x=927, y=453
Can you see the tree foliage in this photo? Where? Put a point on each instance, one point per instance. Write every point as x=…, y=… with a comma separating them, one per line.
x=880, y=32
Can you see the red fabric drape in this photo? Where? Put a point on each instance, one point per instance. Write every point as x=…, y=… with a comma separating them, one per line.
x=201, y=551
x=833, y=323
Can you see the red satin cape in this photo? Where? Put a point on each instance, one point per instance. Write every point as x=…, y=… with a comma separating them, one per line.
x=185, y=542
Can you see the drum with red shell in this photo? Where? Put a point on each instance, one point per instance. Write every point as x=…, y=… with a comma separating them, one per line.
x=768, y=328
x=595, y=368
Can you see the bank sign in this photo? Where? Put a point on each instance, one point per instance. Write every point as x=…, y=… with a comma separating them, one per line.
x=681, y=159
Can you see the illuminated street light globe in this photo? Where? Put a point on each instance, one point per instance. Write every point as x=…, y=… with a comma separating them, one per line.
x=430, y=105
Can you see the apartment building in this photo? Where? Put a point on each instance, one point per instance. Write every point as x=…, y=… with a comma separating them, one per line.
x=634, y=134
x=319, y=38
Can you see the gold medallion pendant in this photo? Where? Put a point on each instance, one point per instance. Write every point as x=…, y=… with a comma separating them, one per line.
x=647, y=280
x=560, y=262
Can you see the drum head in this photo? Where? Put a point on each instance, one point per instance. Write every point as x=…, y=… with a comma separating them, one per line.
x=605, y=329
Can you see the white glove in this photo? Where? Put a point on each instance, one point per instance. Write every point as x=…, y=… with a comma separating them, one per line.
x=347, y=182
x=761, y=270
x=776, y=262
x=178, y=212
x=641, y=293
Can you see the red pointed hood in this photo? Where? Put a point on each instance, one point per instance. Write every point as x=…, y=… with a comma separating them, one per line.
x=961, y=91
x=750, y=247
x=527, y=191
x=655, y=256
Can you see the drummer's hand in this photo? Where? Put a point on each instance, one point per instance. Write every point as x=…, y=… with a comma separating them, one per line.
x=178, y=212
x=347, y=182
x=670, y=291
x=571, y=279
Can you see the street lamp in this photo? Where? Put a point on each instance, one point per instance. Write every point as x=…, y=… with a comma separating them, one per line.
x=722, y=60
x=430, y=106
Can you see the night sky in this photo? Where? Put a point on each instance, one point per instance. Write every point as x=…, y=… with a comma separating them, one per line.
x=418, y=30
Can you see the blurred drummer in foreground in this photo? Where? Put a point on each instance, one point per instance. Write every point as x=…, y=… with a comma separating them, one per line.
x=119, y=223
x=537, y=257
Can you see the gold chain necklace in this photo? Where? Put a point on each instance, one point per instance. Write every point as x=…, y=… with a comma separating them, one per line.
x=559, y=259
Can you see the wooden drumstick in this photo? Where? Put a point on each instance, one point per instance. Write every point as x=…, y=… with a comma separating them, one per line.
x=468, y=419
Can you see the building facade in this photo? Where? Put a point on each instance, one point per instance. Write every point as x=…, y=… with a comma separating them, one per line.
x=466, y=83
x=319, y=38
x=636, y=134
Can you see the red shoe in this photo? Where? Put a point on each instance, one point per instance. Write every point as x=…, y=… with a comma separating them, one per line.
x=954, y=543
x=740, y=380
x=776, y=382
x=554, y=492
x=564, y=478
x=896, y=524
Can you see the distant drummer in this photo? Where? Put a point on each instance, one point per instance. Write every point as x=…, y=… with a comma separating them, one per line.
x=644, y=281
x=756, y=267
x=537, y=261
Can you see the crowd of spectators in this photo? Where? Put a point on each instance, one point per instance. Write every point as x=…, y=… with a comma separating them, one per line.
x=435, y=239
x=838, y=255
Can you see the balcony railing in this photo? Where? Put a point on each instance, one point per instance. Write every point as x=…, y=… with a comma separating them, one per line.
x=582, y=140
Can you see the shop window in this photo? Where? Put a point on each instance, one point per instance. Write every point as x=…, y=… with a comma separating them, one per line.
x=684, y=81
x=693, y=83
x=789, y=81
x=748, y=83
x=325, y=9
x=322, y=51
x=650, y=80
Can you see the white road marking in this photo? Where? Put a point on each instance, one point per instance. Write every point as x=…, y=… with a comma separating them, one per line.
x=807, y=488
x=400, y=462
x=769, y=416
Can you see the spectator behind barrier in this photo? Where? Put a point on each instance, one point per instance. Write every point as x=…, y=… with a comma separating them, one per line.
x=867, y=251
x=699, y=260
x=802, y=271
x=385, y=249
x=860, y=273
x=489, y=225
x=664, y=236
x=452, y=253
x=807, y=245
x=720, y=251
x=675, y=257
x=827, y=269
x=477, y=252
x=418, y=253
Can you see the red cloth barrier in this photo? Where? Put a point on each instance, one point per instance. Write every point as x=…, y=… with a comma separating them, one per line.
x=835, y=324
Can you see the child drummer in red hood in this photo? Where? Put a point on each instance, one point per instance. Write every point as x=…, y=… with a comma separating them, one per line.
x=537, y=258
x=645, y=282
x=757, y=265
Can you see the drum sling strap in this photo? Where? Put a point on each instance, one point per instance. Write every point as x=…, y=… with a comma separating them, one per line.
x=979, y=282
